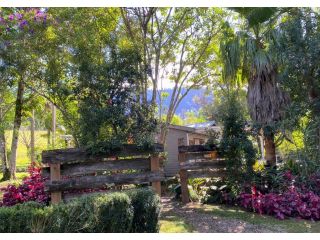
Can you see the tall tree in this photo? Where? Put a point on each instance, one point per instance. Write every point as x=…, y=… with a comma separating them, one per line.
x=6, y=107
x=32, y=136
x=80, y=44
x=178, y=45
x=298, y=51
x=20, y=31
x=247, y=53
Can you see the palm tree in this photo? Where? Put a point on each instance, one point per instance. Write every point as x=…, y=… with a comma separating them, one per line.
x=247, y=53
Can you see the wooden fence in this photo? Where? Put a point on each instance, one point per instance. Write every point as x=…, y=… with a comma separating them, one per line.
x=198, y=161
x=76, y=169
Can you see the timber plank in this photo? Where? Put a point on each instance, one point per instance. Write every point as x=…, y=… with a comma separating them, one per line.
x=101, y=181
x=201, y=155
x=196, y=148
x=204, y=163
x=76, y=169
x=74, y=155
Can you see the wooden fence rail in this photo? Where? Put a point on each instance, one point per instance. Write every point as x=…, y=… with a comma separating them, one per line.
x=198, y=161
x=76, y=169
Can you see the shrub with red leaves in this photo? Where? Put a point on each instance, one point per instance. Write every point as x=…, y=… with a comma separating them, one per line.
x=314, y=182
x=31, y=189
x=288, y=204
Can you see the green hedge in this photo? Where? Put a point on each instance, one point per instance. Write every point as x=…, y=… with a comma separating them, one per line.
x=20, y=218
x=146, y=207
x=132, y=211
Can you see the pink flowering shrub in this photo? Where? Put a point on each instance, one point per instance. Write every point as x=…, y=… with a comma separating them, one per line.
x=31, y=189
x=290, y=203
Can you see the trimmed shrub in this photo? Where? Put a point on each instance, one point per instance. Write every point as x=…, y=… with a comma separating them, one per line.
x=99, y=213
x=114, y=214
x=20, y=218
x=132, y=211
x=146, y=205
x=71, y=217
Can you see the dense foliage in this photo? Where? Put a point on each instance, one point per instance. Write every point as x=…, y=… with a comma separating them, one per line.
x=235, y=145
x=104, y=213
x=146, y=206
x=298, y=52
x=113, y=94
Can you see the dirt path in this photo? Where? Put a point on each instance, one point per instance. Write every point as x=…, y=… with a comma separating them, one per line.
x=208, y=222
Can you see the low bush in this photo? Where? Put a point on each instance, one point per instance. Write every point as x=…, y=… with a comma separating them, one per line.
x=146, y=207
x=220, y=192
x=133, y=211
x=99, y=213
x=20, y=218
x=291, y=203
x=282, y=194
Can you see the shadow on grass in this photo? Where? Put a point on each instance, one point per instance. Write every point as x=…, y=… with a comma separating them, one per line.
x=288, y=225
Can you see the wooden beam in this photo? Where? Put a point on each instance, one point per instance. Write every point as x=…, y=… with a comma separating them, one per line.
x=75, y=155
x=201, y=155
x=77, y=169
x=196, y=148
x=203, y=164
x=102, y=180
x=55, y=175
x=183, y=180
x=155, y=167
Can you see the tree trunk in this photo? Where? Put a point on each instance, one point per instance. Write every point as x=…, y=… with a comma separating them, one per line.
x=32, y=140
x=16, y=129
x=53, y=125
x=165, y=125
x=3, y=156
x=270, y=149
x=163, y=133
x=48, y=138
x=266, y=102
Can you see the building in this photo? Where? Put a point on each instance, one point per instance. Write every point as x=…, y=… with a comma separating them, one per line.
x=194, y=134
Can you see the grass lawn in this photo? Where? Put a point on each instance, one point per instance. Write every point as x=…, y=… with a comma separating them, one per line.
x=289, y=225
x=174, y=224
x=23, y=160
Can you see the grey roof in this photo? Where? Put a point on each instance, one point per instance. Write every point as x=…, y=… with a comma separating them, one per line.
x=202, y=125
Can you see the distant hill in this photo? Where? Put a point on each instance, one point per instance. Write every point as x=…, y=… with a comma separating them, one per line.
x=188, y=103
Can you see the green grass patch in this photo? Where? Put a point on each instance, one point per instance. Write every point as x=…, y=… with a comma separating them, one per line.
x=174, y=224
x=23, y=159
x=288, y=225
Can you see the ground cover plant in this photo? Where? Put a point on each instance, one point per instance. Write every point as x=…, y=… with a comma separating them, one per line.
x=31, y=189
x=289, y=197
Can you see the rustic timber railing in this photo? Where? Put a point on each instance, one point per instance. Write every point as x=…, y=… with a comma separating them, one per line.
x=76, y=169
x=198, y=161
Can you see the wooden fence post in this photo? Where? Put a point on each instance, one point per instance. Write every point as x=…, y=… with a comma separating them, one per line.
x=56, y=197
x=183, y=180
x=155, y=166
